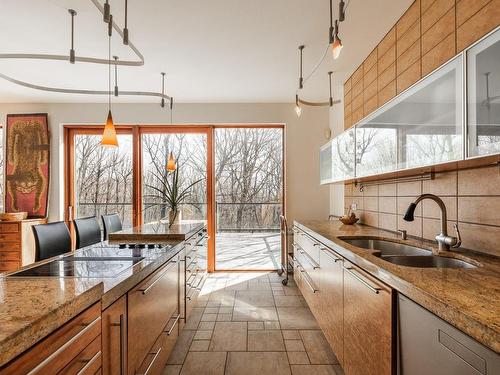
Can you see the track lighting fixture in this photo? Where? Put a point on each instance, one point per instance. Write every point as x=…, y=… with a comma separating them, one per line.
x=298, y=109
x=301, y=79
x=341, y=10
x=337, y=43
x=72, y=50
x=162, y=89
x=110, y=26
x=125, y=28
x=107, y=12
x=116, y=75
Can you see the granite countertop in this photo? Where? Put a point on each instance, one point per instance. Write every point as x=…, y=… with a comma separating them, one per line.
x=466, y=298
x=158, y=232
x=33, y=307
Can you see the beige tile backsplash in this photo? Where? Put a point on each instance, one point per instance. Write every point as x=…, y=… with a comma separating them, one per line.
x=472, y=199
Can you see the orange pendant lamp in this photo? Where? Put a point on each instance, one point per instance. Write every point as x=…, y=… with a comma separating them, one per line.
x=109, y=138
x=171, y=163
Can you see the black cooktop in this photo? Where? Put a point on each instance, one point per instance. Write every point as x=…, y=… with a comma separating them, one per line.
x=82, y=267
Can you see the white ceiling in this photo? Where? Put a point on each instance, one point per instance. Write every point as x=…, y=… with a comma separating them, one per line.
x=231, y=51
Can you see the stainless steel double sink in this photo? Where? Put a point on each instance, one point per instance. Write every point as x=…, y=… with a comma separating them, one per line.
x=405, y=255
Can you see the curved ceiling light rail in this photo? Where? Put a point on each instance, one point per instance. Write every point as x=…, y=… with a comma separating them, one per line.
x=85, y=92
x=93, y=60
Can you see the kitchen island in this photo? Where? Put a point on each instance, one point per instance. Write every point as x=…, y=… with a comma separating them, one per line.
x=121, y=285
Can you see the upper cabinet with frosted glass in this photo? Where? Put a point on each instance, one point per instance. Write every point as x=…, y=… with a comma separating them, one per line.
x=420, y=127
x=483, y=97
x=337, y=158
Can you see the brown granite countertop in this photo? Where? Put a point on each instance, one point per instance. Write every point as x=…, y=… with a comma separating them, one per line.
x=469, y=299
x=158, y=232
x=33, y=307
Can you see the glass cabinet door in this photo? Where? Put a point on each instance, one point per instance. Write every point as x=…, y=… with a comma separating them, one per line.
x=343, y=156
x=422, y=126
x=483, y=91
x=325, y=163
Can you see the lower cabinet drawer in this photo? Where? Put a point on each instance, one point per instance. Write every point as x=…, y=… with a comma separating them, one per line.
x=10, y=255
x=9, y=265
x=87, y=362
x=57, y=351
x=9, y=237
x=9, y=228
x=151, y=304
x=10, y=246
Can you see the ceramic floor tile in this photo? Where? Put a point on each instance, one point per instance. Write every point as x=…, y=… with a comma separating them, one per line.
x=206, y=363
x=272, y=325
x=291, y=291
x=225, y=310
x=224, y=317
x=254, y=298
x=291, y=335
x=203, y=335
x=211, y=310
x=261, y=363
x=209, y=318
x=296, y=318
x=298, y=358
x=206, y=326
x=265, y=341
x=244, y=314
x=294, y=346
x=313, y=370
x=181, y=347
x=255, y=325
x=199, y=346
x=229, y=336
x=172, y=370
x=317, y=348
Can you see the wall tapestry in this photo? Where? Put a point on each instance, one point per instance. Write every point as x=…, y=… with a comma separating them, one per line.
x=27, y=164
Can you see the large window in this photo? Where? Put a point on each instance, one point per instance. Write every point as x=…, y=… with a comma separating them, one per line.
x=103, y=177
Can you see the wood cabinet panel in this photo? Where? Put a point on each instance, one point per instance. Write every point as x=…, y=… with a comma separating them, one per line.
x=387, y=59
x=408, y=19
x=387, y=77
x=357, y=89
x=408, y=77
x=88, y=361
x=438, y=9
x=370, y=61
x=406, y=40
x=357, y=103
x=370, y=105
x=55, y=352
x=367, y=324
x=347, y=122
x=330, y=315
x=10, y=255
x=478, y=25
x=357, y=115
x=387, y=93
x=387, y=42
x=370, y=76
x=408, y=58
x=347, y=86
x=425, y=4
x=9, y=265
x=347, y=99
x=10, y=246
x=114, y=338
x=467, y=8
x=439, y=54
x=155, y=301
x=357, y=76
x=370, y=91
x=9, y=227
x=9, y=237
x=444, y=27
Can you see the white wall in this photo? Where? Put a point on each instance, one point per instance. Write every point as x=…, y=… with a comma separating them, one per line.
x=306, y=199
x=337, y=126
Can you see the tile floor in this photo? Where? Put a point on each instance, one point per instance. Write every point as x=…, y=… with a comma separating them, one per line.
x=249, y=323
x=255, y=251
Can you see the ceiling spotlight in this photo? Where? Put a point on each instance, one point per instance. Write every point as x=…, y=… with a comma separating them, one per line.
x=298, y=109
x=337, y=42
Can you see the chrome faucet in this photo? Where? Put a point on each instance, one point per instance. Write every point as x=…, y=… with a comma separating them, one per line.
x=444, y=241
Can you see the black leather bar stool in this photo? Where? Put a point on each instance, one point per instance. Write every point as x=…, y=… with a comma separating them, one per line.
x=51, y=239
x=111, y=224
x=87, y=231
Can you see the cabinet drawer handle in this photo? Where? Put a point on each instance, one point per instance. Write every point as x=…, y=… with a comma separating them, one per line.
x=146, y=290
x=152, y=362
x=90, y=362
x=330, y=255
x=309, y=284
x=173, y=325
x=309, y=260
x=65, y=346
x=122, y=342
x=351, y=271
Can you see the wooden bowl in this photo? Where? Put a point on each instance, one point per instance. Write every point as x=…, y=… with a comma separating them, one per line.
x=348, y=220
x=13, y=216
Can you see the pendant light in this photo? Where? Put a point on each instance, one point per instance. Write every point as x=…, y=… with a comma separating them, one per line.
x=337, y=43
x=298, y=109
x=109, y=137
x=171, y=164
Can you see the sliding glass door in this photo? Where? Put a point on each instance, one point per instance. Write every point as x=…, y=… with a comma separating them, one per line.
x=248, y=197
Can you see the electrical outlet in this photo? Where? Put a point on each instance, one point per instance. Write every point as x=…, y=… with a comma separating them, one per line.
x=354, y=206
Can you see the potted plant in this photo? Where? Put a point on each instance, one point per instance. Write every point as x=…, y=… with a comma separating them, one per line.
x=169, y=192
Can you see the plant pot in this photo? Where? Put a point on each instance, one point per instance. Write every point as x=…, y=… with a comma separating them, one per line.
x=173, y=218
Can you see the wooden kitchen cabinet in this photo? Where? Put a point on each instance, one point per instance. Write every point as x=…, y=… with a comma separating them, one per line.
x=114, y=338
x=331, y=295
x=152, y=305
x=73, y=348
x=368, y=324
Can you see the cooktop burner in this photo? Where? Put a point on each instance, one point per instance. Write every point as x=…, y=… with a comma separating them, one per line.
x=84, y=267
